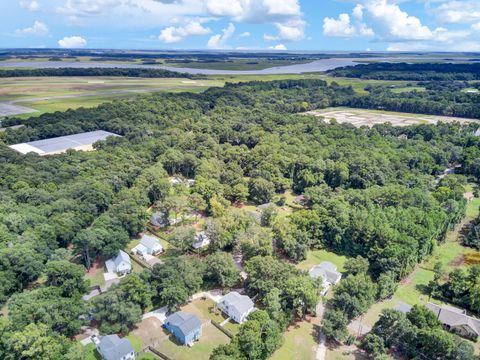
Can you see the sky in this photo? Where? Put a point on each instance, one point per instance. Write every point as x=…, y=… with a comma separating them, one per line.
x=277, y=25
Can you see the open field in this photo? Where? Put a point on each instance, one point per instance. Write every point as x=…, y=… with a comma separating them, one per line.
x=237, y=64
x=362, y=117
x=300, y=342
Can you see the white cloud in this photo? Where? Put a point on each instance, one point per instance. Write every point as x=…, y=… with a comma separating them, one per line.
x=255, y=11
x=466, y=11
x=174, y=34
x=245, y=34
x=343, y=27
x=290, y=31
x=219, y=41
x=38, y=29
x=278, y=47
x=358, y=12
x=29, y=5
x=339, y=28
x=72, y=42
x=476, y=27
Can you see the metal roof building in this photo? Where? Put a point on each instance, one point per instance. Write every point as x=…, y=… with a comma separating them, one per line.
x=58, y=145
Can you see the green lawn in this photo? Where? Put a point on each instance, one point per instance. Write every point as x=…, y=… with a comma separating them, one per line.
x=210, y=339
x=315, y=257
x=91, y=353
x=300, y=343
x=146, y=356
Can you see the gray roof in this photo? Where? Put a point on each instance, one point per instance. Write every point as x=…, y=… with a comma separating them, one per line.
x=265, y=206
x=326, y=270
x=122, y=256
x=62, y=143
x=452, y=316
x=187, y=323
x=199, y=240
x=242, y=303
x=403, y=307
x=149, y=241
x=159, y=219
x=113, y=348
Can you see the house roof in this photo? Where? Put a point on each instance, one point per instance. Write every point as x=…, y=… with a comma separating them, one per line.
x=122, y=256
x=265, y=206
x=452, y=316
x=403, y=307
x=158, y=219
x=201, y=239
x=149, y=242
x=241, y=303
x=326, y=270
x=113, y=348
x=186, y=323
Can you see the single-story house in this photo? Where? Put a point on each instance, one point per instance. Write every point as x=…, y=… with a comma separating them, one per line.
x=456, y=320
x=111, y=347
x=236, y=306
x=328, y=272
x=201, y=240
x=159, y=220
x=186, y=328
x=121, y=264
x=148, y=245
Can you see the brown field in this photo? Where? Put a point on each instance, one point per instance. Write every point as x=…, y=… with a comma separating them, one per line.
x=361, y=117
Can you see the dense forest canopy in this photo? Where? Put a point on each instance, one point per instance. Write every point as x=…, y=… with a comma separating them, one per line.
x=370, y=193
x=411, y=72
x=120, y=72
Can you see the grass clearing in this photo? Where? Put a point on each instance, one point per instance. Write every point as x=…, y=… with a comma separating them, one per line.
x=210, y=339
x=300, y=342
x=315, y=257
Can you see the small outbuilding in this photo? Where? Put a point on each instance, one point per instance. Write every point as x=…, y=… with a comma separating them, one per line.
x=237, y=307
x=148, y=245
x=111, y=347
x=159, y=220
x=201, y=240
x=187, y=328
x=121, y=264
x=327, y=271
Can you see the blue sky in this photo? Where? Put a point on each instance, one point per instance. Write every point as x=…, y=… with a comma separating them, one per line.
x=376, y=25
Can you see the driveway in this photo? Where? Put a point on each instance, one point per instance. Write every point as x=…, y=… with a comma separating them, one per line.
x=322, y=340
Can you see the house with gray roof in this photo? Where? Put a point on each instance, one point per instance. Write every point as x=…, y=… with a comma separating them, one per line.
x=111, y=347
x=327, y=271
x=456, y=320
x=236, y=306
x=148, y=245
x=186, y=328
x=121, y=264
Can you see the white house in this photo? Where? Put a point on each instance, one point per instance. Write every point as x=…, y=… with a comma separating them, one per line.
x=148, y=245
x=111, y=347
x=121, y=264
x=236, y=306
x=328, y=273
x=201, y=240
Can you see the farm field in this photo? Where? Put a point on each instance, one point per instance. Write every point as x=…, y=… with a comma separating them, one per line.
x=362, y=117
